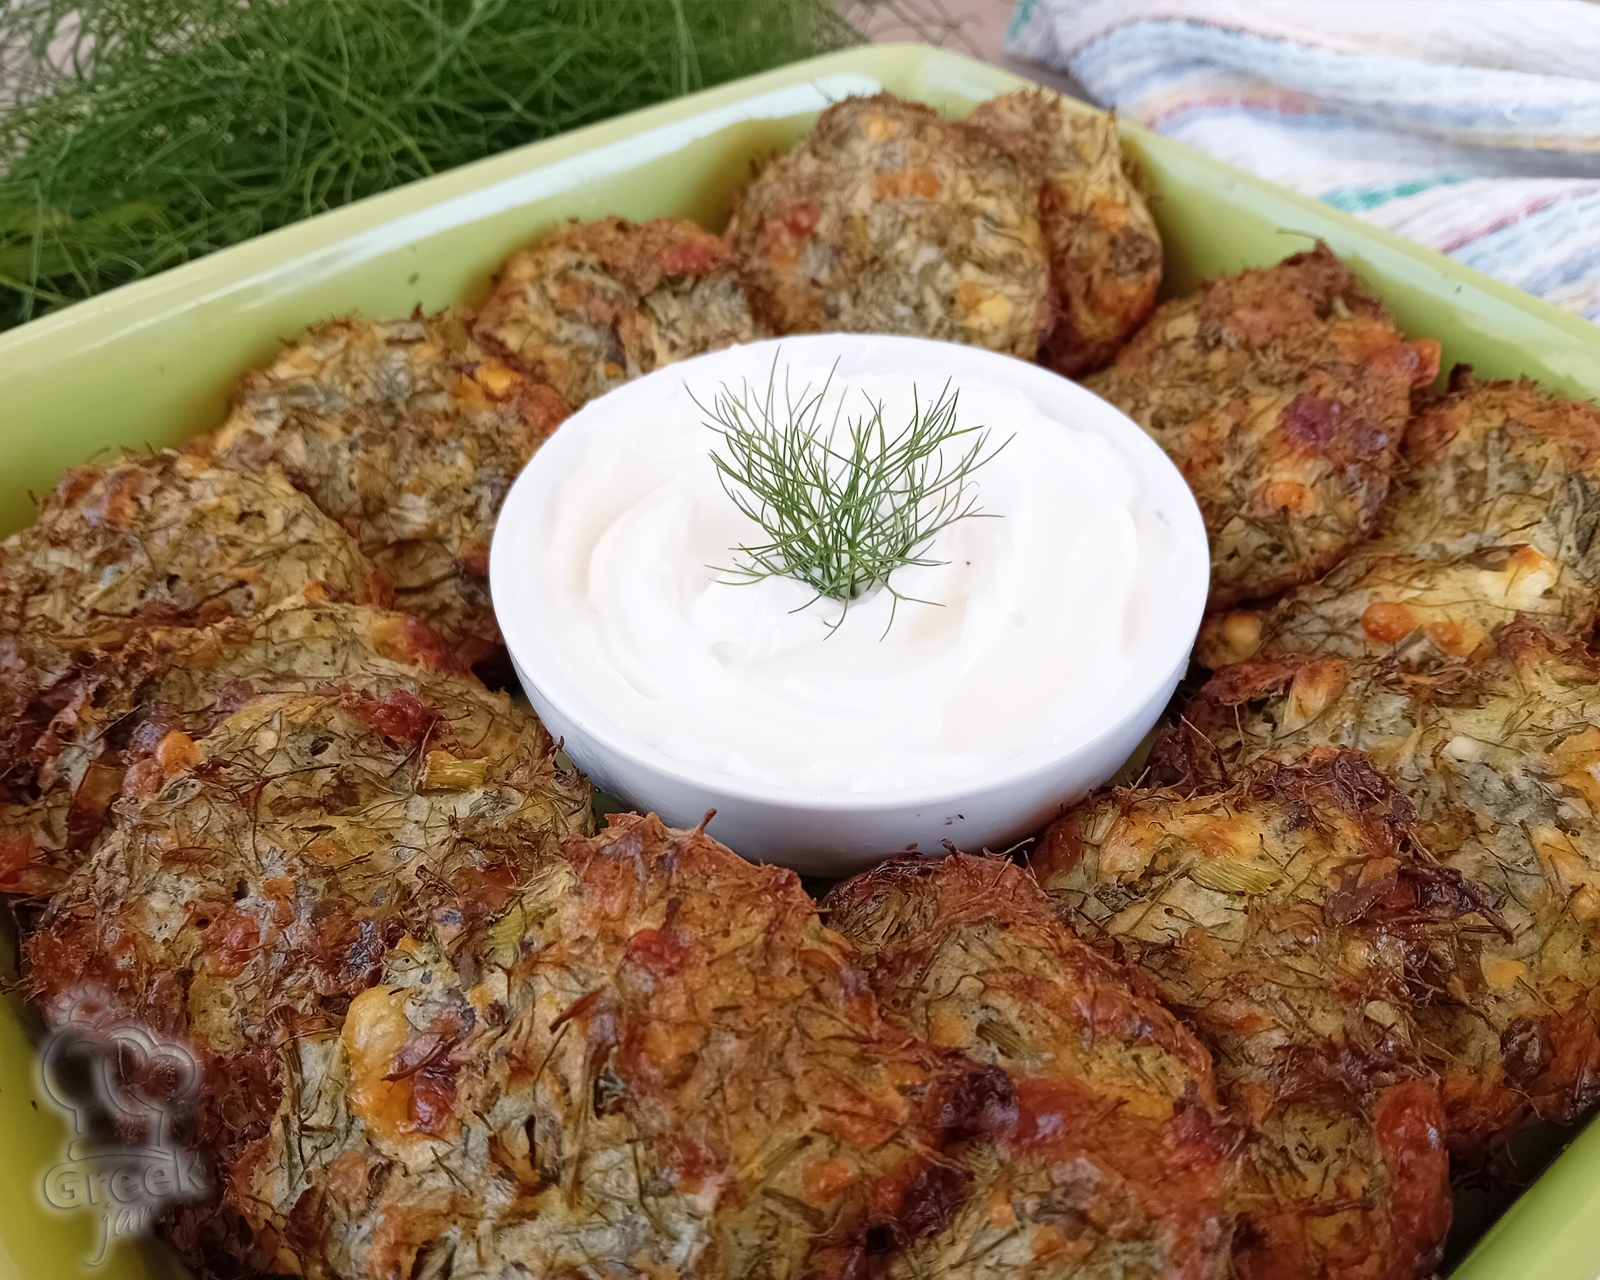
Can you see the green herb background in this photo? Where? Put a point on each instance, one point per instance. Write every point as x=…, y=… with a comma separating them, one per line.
x=139, y=134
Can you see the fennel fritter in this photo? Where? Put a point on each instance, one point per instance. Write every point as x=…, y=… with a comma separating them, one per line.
x=170, y=538
x=246, y=890
x=1105, y=253
x=1112, y=1153
x=596, y=303
x=1288, y=916
x=887, y=218
x=409, y=437
x=164, y=539
x=639, y=1054
x=1501, y=757
x=1493, y=521
x=1282, y=394
x=112, y=722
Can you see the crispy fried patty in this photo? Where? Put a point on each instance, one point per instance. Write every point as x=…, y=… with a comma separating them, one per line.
x=1105, y=254
x=633, y=1046
x=1289, y=915
x=1495, y=519
x=1282, y=394
x=1109, y=1126
x=255, y=884
x=409, y=437
x=171, y=538
x=152, y=540
x=1500, y=758
x=115, y=722
x=887, y=218
x=596, y=303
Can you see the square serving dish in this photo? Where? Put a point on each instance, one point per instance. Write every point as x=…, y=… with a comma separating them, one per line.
x=152, y=363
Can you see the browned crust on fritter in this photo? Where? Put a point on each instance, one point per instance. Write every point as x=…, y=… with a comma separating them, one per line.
x=969, y=953
x=1105, y=252
x=409, y=437
x=1291, y=919
x=171, y=539
x=1494, y=521
x=596, y=303
x=115, y=723
x=255, y=882
x=632, y=1047
x=154, y=540
x=889, y=219
x=1501, y=757
x=1282, y=394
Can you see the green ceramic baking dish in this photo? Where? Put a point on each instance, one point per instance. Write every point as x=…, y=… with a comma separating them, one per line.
x=151, y=364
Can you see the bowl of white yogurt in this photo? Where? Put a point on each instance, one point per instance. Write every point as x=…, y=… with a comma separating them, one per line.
x=1008, y=673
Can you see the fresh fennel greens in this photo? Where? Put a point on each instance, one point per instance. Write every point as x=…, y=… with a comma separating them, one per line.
x=138, y=134
x=843, y=510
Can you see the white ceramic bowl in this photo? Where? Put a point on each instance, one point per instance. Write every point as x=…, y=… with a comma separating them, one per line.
x=839, y=833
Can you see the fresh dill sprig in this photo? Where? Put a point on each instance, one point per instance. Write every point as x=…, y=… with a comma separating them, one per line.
x=842, y=514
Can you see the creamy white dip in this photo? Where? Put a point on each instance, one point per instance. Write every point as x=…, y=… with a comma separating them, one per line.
x=1041, y=612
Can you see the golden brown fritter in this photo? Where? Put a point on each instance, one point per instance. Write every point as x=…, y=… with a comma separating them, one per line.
x=1288, y=916
x=889, y=219
x=636, y=1054
x=170, y=538
x=113, y=722
x=328, y=810
x=409, y=437
x=166, y=539
x=1105, y=253
x=1111, y=1155
x=1494, y=520
x=241, y=898
x=597, y=303
x=1501, y=757
x=1282, y=394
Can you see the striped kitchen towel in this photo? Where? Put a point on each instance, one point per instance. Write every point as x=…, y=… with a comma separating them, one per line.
x=1470, y=127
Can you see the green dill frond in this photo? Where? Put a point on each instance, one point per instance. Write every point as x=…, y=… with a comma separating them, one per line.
x=139, y=134
x=842, y=514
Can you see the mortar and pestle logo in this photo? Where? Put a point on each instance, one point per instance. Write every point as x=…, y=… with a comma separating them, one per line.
x=125, y=1089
